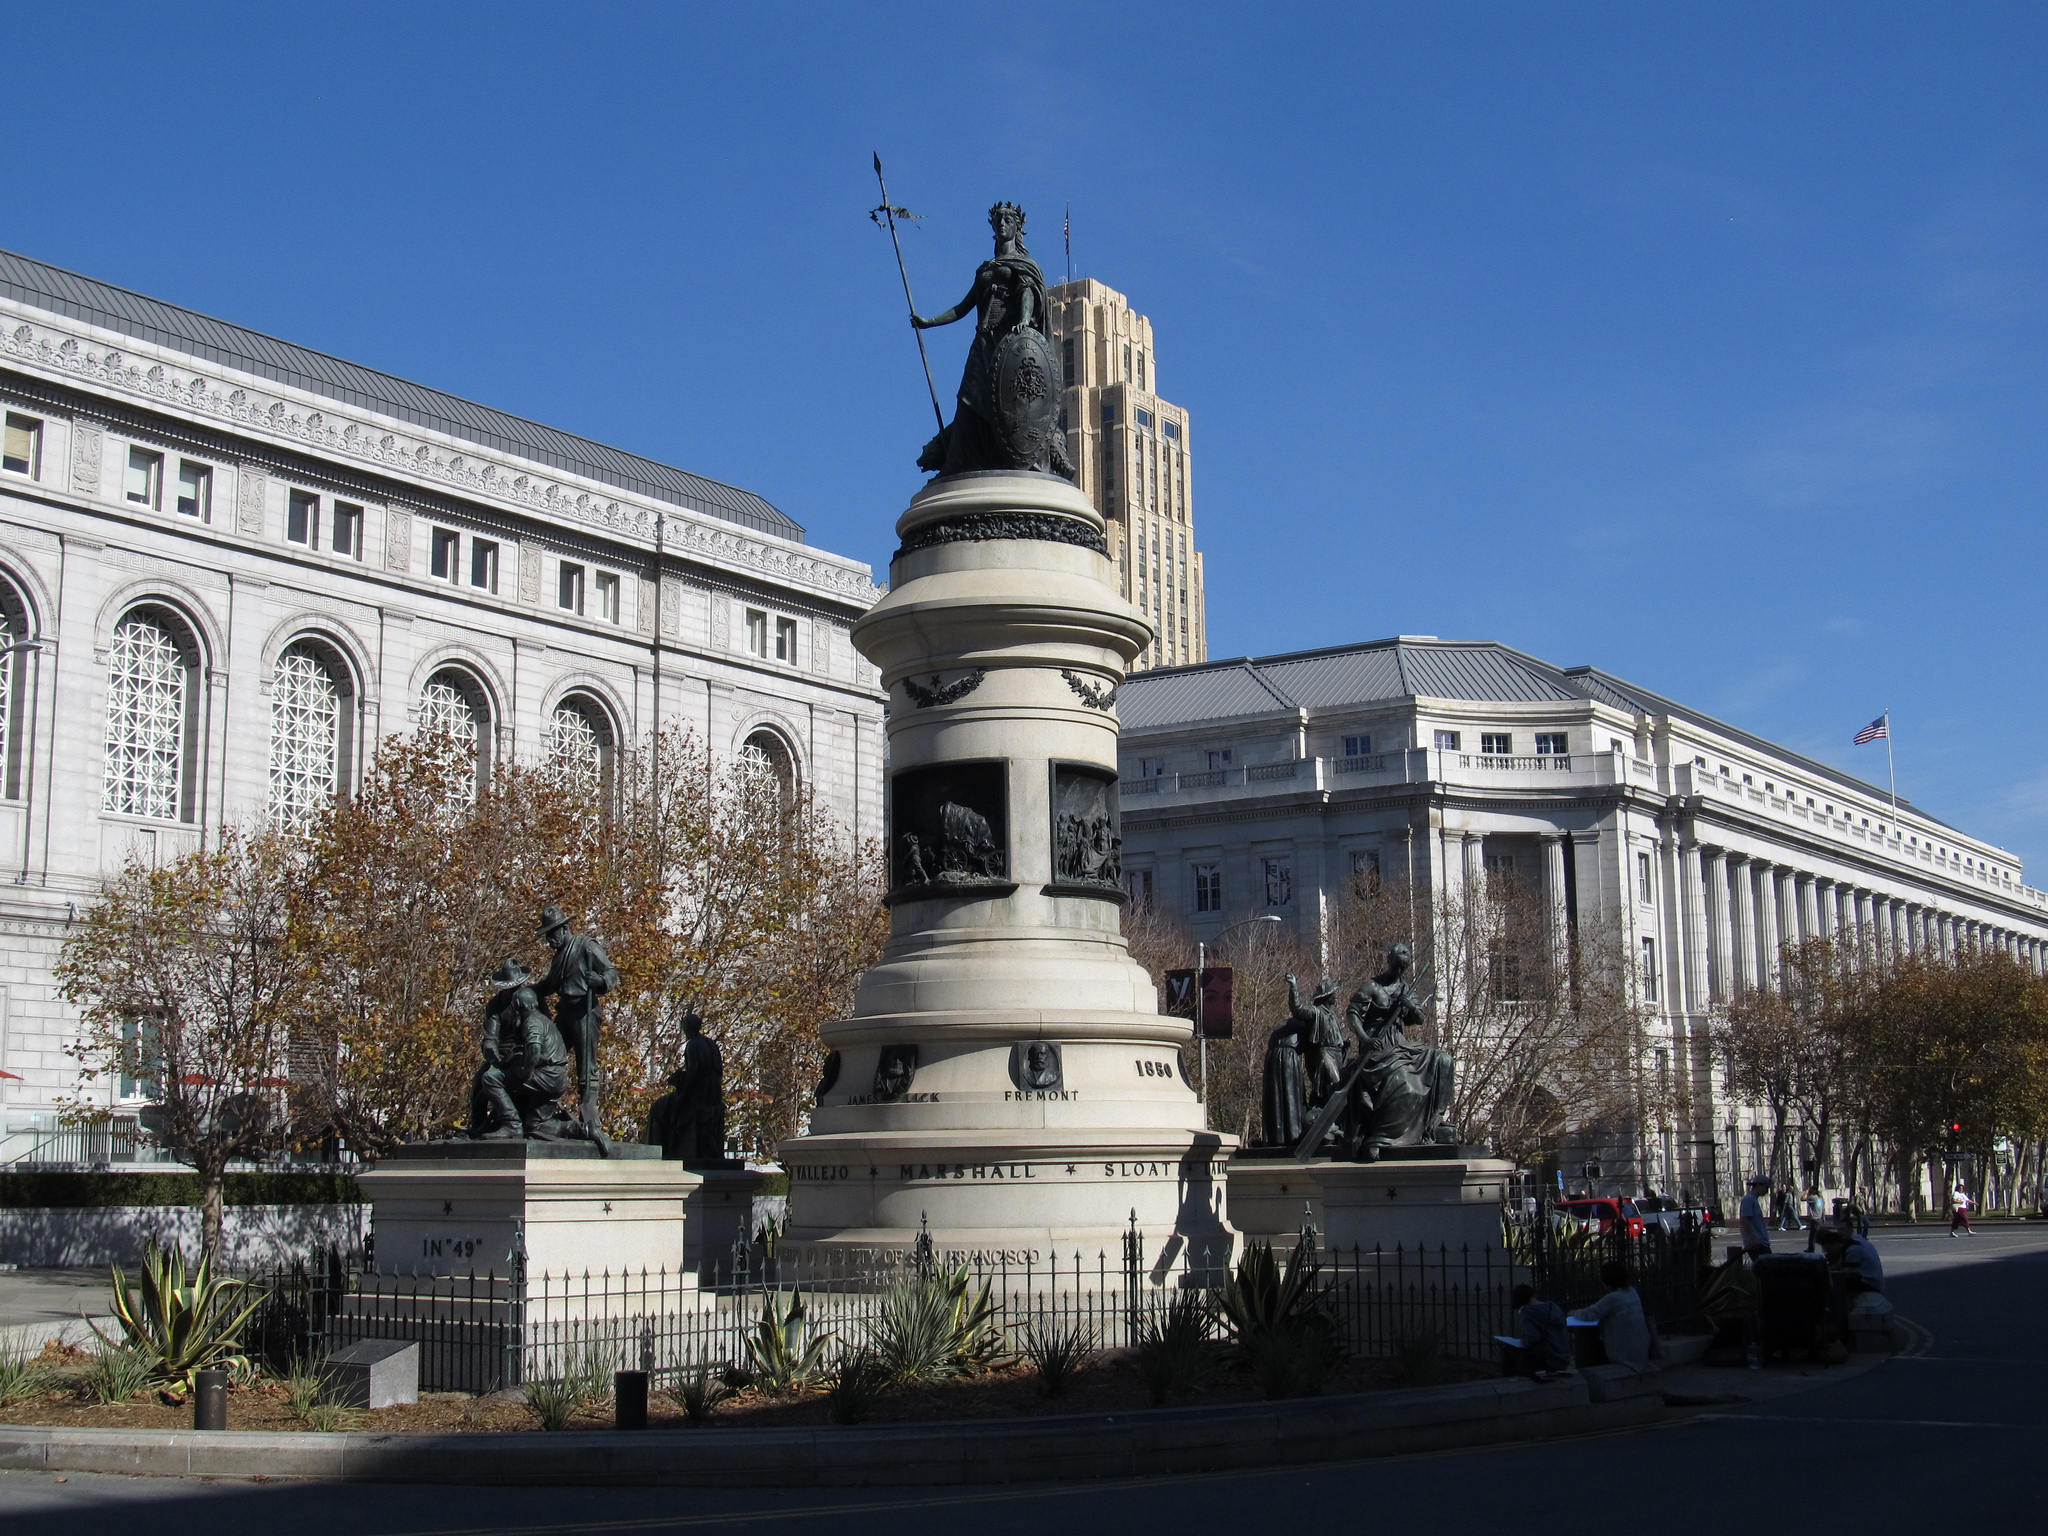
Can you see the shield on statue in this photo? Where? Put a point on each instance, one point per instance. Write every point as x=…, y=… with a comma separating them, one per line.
x=1027, y=396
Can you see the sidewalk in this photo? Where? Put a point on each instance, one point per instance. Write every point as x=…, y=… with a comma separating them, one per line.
x=37, y=1305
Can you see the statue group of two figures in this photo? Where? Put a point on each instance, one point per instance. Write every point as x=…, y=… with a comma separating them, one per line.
x=517, y=1093
x=1389, y=1092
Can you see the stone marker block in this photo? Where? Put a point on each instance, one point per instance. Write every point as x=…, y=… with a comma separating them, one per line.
x=1870, y=1322
x=373, y=1373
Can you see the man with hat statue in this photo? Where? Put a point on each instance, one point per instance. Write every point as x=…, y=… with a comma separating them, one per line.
x=517, y=1091
x=578, y=979
x=689, y=1124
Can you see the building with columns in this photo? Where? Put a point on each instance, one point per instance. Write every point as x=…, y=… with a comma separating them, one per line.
x=1270, y=784
x=230, y=565
x=1135, y=461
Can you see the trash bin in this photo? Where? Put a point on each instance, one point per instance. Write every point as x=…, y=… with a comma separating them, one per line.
x=1793, y=1292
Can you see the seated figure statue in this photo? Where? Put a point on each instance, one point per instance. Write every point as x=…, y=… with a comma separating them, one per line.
x=517, y=1092
x=1402, y=1093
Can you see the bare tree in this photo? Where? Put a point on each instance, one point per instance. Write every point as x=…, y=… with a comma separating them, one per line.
x=187, y=979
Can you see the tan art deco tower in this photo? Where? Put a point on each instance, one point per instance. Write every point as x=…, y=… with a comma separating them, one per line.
x=1133, y=452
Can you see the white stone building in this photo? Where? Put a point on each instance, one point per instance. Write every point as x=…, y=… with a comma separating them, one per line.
x=230, y=565
x=1268, y=784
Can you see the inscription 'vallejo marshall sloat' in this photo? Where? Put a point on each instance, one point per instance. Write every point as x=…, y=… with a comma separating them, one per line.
x=992, y=1173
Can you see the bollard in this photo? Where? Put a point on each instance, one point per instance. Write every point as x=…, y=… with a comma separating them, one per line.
x=629, y=1399
x=210, y=1401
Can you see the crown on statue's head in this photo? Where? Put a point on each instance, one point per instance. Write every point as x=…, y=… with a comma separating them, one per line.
x=995, y=215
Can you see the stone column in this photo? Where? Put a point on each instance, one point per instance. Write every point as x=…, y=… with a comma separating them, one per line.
x=1809, y=909
x=1474, y=864
x=1744, y=925
x=1721, y=949
x=1788, y=905
x=1553, y=889
x=1881, y=928
x=1767, y=923
x=1693, y=926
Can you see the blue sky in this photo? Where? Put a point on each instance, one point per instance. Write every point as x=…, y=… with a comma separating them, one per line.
x=1702, y=343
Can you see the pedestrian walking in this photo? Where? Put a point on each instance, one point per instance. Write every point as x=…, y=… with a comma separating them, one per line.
x=1959, y=1213
x=1754, y=1225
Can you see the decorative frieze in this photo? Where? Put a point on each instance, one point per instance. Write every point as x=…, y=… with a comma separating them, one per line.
x=86, y=439
x=327, y=432
x=252, y=488
x=398, y=540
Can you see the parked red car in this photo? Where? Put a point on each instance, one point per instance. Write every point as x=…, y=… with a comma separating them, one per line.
x=1611, y=1212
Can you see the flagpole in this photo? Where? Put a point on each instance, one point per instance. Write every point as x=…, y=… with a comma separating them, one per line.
x=1889, y=767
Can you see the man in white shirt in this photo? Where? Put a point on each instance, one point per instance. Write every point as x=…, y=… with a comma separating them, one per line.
x=1624, y=1331
x=1755, y=1223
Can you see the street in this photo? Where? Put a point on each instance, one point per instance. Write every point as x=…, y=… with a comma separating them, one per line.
x=1942, y=1433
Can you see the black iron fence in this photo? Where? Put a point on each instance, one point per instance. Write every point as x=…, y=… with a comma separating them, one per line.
x=485, y=1331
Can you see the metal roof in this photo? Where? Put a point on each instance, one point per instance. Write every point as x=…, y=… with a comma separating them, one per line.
x=233, y=346
x=1482, y=671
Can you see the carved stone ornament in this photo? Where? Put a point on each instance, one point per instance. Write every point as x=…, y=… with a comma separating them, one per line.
x=976, y=527
x=529, y=574
x=85, y=457
x=926, y=697
x=1087, y=835
x=643, y=608
x=1094, y=695
x=950, y=826
x=252, y=490
x=398, y=540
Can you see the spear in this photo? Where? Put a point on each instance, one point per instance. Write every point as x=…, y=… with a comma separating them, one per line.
x=889, y=211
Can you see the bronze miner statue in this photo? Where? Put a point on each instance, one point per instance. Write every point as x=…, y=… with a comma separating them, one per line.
x=1304, y=1059
x=689, y=1124
x=1395, y=1092
x=1008, y=413
x=578, y=979
x=517, y=1091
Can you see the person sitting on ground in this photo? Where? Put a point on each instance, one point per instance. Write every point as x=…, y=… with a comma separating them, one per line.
x=1624, y=1332
x=1853, y=1268
x=1546, y=1343
x=1756, y=1227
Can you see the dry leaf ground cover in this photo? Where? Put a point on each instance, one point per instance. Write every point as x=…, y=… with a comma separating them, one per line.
x=1108, y=1383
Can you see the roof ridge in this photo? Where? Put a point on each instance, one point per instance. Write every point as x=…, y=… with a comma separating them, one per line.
x=23, y=277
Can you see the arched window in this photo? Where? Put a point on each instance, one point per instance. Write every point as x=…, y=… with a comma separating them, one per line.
x=767, y=755
x=151, y=690
x=453, y=702
x=309, y=733
x=580, y=739
x=14, y=633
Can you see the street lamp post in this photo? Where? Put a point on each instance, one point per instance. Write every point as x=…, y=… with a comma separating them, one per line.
x=1201, y=965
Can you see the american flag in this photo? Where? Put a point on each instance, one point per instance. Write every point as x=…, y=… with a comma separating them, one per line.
x=1878, y=730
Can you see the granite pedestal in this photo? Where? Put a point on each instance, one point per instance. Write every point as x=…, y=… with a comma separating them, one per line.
x=1006, y=1077
x=1430, y=1197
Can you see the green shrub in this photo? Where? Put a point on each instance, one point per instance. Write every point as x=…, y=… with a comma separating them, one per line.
x=552, y=1402
x=1058, y=1351
x=1173, y=1347
x=20, y=1377
x=326, y=1418
x=1419, y=1347
x=700, y=1390
x=857, y=1386
x=114, y=1373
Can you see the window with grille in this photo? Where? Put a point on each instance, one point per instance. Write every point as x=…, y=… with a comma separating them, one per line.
x=1138, y=882
x=608, y=597
x=148, y=685
x=1357, y=746
x=569, y=588
x=757, y=633
x=1496, y=744
x=785, y=639
x=305, y=736
x=1645, y=886
x=448, y=705
x=1447, y=741
x=446, y=555
x=483, y=564
x=1365, y=869
x=575, y=744
x=1208, y=888
x=348, y=529
x=1553, y=744
x=1650, y=970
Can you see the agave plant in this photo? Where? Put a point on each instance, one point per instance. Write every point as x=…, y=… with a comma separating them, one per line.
x=1173, y=1348
x=938, y=1325
x=181, y=1324
x=783, y=1359
x=1280, y=1320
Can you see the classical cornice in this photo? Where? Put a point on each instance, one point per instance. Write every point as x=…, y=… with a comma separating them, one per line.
x=158, y=377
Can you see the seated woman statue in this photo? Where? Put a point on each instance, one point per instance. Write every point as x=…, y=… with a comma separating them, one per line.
x=1406, y=1086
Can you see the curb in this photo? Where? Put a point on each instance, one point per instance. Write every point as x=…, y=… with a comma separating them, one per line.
x=1150, y=1442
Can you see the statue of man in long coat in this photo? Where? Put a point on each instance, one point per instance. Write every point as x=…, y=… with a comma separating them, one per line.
x=581, y=974
x=689, y=1123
